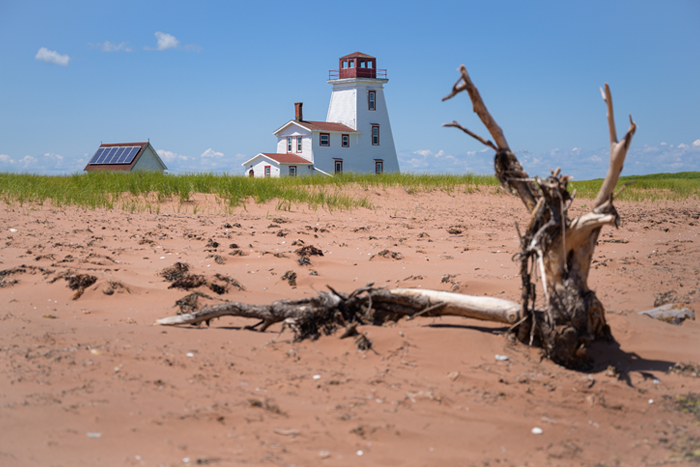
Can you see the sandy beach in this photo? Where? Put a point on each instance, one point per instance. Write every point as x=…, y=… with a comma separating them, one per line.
x=88, y=379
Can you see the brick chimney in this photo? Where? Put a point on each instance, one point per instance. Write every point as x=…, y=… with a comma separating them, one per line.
x=298, y=115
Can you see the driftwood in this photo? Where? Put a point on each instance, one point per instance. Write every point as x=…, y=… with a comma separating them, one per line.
x=329, y=311
x=553, y=247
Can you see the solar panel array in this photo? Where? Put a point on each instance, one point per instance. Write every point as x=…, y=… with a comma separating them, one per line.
x=115, y=155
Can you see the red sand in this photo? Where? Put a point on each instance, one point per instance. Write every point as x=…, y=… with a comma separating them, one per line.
x=91, y=381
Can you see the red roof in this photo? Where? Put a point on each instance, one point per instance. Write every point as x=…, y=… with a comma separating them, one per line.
x=114, y=167
x=287, y=158
x=357, y=54
x=327, y=126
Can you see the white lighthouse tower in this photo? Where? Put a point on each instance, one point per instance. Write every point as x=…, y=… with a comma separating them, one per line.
x=358, y=102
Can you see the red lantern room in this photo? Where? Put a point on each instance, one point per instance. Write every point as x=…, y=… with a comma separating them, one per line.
x=357, y=65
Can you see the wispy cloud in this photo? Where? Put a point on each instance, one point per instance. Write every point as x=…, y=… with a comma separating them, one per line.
x=47, y=164
x=169, y=156
x=51, y=56
x=582, y=164
x=211, y=153
x=108, y=46
x=167, y=41
x=209, y=161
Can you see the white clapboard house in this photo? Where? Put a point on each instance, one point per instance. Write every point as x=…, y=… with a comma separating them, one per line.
x=129, y=157
x=356, y=135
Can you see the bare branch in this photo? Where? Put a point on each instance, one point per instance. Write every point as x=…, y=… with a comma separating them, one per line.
x=480, y=109
x=618, y=151
x=472, y=134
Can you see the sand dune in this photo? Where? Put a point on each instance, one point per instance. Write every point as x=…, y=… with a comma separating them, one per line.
x=87, y=379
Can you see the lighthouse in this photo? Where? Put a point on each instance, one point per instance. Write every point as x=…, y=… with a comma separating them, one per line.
x=356, y=136
x=358, y=102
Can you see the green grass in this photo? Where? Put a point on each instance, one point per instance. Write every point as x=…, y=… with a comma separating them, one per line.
x=149, y=190
x=671, y=186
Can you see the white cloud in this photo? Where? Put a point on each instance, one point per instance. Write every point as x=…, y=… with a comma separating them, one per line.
x=211, y=153
x=169, y=156
x=26, y=161
x=696, y=143
x=683, y=146
x=4, y=158
x=51, y=56
x=663, y=144
x=166, y=41
x=54, y=157
x=595, y=158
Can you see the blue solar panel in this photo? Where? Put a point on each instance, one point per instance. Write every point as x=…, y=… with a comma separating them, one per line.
x=114, y=158
x=97, y=155
x=129, y=154
x=125, y=159
x=102, y=157
x=115, y=155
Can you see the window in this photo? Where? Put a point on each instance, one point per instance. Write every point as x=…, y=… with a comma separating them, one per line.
x=339, y=166
x=325, y=139
x=362, y=63
x=292, y=170
x=346, y=141
x=289, y=144
x=345, y=64
x=375, y=135
x=298, y=143
x=372, y=100
x=267, y=170
x=378, y=167
x=352, y=63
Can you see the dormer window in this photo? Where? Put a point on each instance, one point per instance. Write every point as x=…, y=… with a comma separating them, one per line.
x=372, y=100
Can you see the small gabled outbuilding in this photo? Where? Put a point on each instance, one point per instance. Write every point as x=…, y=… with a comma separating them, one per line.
x=129, y=157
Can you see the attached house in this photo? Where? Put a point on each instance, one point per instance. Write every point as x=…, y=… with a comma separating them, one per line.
x=129, y=157
x=356, y=135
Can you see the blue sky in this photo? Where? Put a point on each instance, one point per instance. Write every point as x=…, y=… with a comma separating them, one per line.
x=208, y=82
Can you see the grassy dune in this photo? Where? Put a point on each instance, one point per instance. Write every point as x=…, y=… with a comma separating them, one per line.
x=148, y=190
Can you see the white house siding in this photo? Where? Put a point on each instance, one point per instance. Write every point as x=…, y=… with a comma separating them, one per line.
x=294, y=131
x=259, y=167
x=148, y=161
